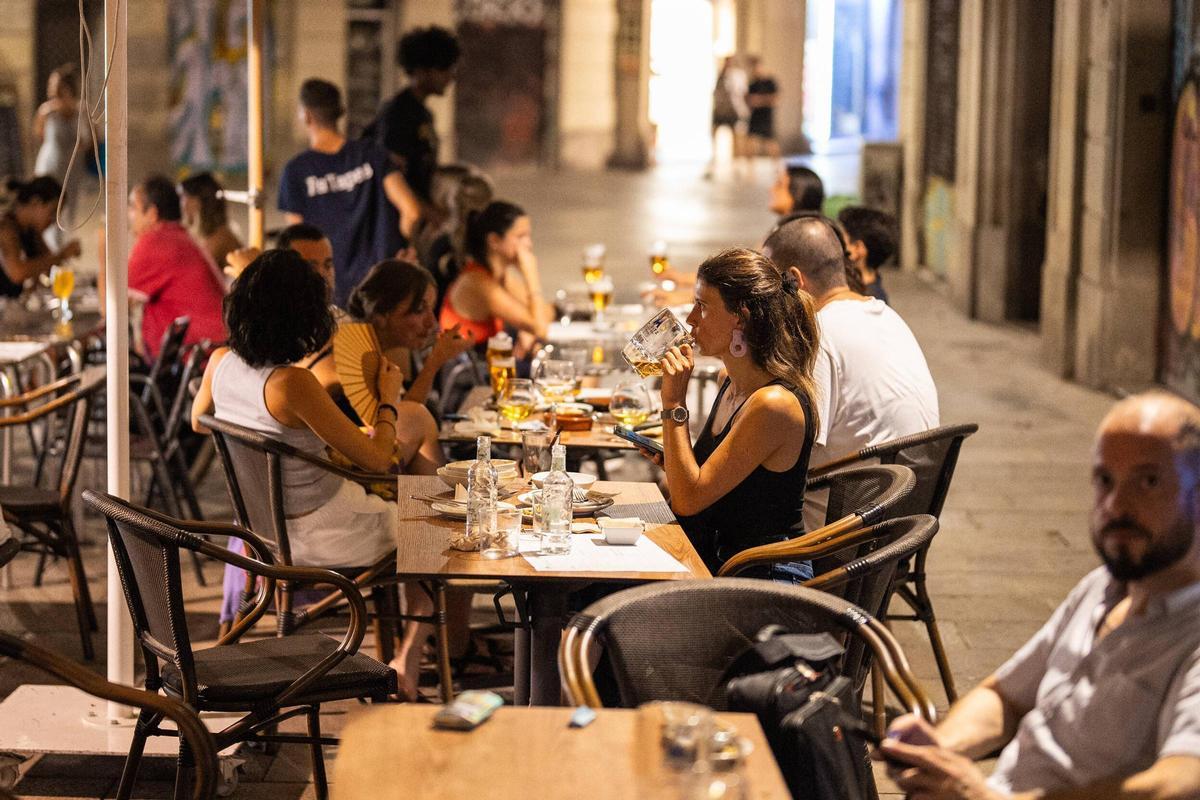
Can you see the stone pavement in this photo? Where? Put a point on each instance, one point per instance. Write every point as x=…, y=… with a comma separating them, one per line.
x=1014, y=531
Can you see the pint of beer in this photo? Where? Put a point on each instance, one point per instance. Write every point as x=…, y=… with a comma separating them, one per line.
x=658, y=258
x=502, y=367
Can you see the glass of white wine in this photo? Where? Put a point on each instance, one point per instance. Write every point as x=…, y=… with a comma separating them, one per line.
x=630, y=404
x=62, y=284
x=518, y=400
x=555, y=378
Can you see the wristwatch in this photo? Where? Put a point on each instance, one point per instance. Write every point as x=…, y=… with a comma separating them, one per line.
x=677, y=414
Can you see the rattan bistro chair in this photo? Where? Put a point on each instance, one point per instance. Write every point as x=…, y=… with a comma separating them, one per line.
x=267, y=681
x=932, y=456
x=197, y=774
x=41, y=509
x=711, y=623
x=253, y=465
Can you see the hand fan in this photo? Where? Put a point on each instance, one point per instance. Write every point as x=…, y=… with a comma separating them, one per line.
x=356, y=355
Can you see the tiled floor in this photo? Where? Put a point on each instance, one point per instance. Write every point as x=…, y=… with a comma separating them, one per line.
x=1013, y=537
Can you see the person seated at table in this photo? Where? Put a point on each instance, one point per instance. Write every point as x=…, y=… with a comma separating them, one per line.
x=205, y=217
x=870, y=237
x=278, y=312
x=168, y=272
x=796, y=188
x=742, y=483
x=398, y=298
x=499, y=285
x=458, y=191
x=23, y=250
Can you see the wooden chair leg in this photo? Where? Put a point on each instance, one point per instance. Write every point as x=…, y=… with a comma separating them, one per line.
x=385, y=622
x=40, y=569
x=878, y=701
x=84, y=613
x=924, y=610
x=67, y=531
x=185, y=772
x=320, y=783
x=445, y=676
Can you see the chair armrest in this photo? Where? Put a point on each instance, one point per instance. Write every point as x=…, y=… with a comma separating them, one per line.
x=811, y=545
x=25, y=398
x=149, y=390
x=823, y=471
x=358, y=476
x=355, y=631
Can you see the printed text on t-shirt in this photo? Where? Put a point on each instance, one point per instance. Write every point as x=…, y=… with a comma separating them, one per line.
x=331, y=182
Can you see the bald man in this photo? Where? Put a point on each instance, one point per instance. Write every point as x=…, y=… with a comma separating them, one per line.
x=1104, y=701
x=872, y=382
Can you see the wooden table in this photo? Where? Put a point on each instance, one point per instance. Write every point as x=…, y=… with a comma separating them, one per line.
x=423, y=552
x=393, y=752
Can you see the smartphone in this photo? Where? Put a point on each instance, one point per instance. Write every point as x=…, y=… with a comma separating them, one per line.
x=636, y=438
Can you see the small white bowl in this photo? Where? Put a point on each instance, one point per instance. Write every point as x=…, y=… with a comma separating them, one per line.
x=581, y=479
x=621, y=531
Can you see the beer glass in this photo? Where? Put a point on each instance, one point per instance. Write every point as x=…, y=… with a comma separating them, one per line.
x=651, y=343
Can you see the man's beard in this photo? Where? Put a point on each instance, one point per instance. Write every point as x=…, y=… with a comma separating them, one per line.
x=1158, y=554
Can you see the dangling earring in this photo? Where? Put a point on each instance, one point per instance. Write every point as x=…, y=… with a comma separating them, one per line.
x=737, y=343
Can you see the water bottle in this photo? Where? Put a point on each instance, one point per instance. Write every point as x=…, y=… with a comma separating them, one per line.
x=556, y=504
x=481, y=494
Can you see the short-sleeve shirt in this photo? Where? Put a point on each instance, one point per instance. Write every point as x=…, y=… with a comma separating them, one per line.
x=872, y=385
x=1108, y=708
x=174, y=278
x=342, y=194
x=405, y=129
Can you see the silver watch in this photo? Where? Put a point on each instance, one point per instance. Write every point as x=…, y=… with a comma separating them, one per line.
x=677, y=414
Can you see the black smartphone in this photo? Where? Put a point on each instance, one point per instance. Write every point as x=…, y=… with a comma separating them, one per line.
x=644, y=442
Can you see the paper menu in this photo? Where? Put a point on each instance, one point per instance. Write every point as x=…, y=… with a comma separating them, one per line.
x=590, y=553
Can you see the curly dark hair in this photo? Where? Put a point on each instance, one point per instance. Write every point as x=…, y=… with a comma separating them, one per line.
x=277, y=311
x=874, y=228
x=427, y=48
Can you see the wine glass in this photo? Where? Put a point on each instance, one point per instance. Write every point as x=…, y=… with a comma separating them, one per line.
x=602, y=294
x=517, y=400
x=62, y=283
x=555, y=378
x=630, y=403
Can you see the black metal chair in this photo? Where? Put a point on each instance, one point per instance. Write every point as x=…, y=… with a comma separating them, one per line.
x=267, y=681
x=42, y=509
x=253, y=465
x=932, y=456
x=198, y=773
x=711, y=623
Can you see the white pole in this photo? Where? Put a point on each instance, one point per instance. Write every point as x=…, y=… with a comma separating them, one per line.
x=255, y=24
x=116, y=305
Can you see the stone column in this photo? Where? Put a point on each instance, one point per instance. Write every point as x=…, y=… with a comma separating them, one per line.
x=1125, y=146
x=587, y=83
x=783, y=29
x=1068, y=108
x=632, y=65
x=17, y=67
x=912, y=130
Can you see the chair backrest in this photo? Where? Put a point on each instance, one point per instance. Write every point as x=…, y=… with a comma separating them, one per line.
x=200, y=741
x=674, y=640
x=194, y=361
x=932, y=456
x=867, y=574
x=67, y=410
x=873, y=492
x=146, y=551
x=253, y=464
x=163, y=372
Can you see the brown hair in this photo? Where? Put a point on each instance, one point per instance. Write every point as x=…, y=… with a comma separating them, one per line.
x=779, y=320
x=388, y=284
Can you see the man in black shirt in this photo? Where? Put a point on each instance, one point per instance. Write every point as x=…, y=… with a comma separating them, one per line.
x=404, y=125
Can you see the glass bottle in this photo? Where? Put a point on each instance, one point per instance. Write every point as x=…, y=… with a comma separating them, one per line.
x=557, y=489
x=481, y=493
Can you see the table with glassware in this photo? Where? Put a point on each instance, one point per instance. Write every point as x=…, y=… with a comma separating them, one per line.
x=424, y=552
x=394, y=751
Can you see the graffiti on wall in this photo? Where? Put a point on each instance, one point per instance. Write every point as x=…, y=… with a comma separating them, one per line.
x=208, y=115
x=1181, y=358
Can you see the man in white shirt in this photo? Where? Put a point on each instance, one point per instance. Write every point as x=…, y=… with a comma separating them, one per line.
x=872, y=382
x=1104, y=700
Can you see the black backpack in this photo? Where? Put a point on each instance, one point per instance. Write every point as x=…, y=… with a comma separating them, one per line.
x=790, y=681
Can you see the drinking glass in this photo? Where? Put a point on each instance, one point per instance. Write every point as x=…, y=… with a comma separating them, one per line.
x=647, y=347
x=602, y=294
x=630, y=403
x=556, y=380
x=658, y=258
x=593, y=262
x=535, y=451
x=518, y=400
x=505, y=539
x=62, y=283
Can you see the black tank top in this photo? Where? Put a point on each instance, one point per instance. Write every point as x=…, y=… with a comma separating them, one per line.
x=759, y=510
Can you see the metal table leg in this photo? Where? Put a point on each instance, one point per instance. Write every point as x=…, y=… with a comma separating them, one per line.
x=548, y=612
x=7, y=390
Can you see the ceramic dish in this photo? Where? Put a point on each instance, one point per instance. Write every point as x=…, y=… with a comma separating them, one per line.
x=459, y=510
x=585, y=509
x=580, y=479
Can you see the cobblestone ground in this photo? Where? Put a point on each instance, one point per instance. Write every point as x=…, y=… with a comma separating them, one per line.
x=1013, y=538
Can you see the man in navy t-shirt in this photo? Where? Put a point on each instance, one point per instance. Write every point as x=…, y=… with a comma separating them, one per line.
x=352, y=190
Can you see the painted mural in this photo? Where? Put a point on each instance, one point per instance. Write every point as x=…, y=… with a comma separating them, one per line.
x=1181, y=360
x=208, y=114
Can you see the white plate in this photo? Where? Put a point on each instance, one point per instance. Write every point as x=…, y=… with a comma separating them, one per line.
x=459, y=510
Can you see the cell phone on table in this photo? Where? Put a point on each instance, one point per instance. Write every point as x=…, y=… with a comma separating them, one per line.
x=644, y=442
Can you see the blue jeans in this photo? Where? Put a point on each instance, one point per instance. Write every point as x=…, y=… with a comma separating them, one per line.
x=795, y=572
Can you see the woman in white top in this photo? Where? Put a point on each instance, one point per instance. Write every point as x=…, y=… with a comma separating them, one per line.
x=276, y=313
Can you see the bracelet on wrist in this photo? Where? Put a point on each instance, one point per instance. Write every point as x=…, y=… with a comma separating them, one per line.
x=395, y=411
